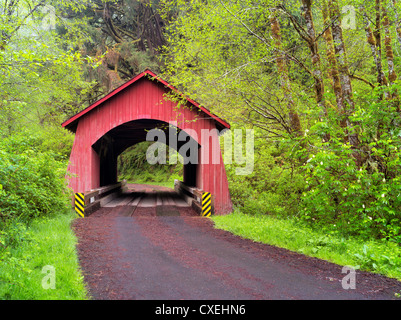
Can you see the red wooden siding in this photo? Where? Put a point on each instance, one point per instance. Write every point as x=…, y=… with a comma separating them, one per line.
x=142, y=98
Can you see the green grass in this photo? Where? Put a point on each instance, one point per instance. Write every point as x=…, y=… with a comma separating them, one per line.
x=167, y=184
x=374, y=256
x=47, y=242
x=158, y=179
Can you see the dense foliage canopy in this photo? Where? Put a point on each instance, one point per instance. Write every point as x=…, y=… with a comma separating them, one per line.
x=318, y=81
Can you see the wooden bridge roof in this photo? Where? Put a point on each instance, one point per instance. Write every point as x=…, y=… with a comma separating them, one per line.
x=72, y=123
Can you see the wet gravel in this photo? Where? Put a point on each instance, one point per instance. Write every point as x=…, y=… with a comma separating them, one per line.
x=169, y=253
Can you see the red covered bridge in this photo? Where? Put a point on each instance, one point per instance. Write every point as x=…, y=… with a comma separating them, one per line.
x=122, y=119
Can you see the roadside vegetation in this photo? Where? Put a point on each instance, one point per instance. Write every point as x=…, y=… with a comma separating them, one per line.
x=35, y=221
x=366, y=255
x=44, y=264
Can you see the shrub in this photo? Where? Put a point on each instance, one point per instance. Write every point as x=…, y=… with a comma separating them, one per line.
x=32, y=183
x=274, y=187
x=358, y=197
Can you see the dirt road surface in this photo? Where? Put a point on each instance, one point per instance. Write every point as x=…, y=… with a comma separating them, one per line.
x=149, y=245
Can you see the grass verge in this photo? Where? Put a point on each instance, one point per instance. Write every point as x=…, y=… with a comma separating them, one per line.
x=167, y=184
x=44, y=264
x=374, y=256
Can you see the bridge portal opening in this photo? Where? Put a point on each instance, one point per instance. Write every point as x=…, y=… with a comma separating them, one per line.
x=134, y=167
x=152, y=140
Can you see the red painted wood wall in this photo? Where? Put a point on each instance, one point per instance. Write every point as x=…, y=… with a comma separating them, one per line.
x=143, y=98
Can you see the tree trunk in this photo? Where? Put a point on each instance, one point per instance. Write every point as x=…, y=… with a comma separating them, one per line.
x=345, y=78
x=294, y=122
x=392, y=76
x=381, y=77
x=315, y=57
x=378, y=27
x=397, y=23
x=331, y=56
x=341, y=56
x=313, y=46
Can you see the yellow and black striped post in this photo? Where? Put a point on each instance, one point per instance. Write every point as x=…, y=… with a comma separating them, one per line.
x=80, y=204
x=206, y=204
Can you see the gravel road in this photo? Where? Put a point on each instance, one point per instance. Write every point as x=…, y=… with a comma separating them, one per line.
x=168, y=253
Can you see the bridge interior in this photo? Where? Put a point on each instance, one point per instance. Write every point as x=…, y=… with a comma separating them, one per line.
x=116, y=141
x=148, y=200
x=144, y=199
